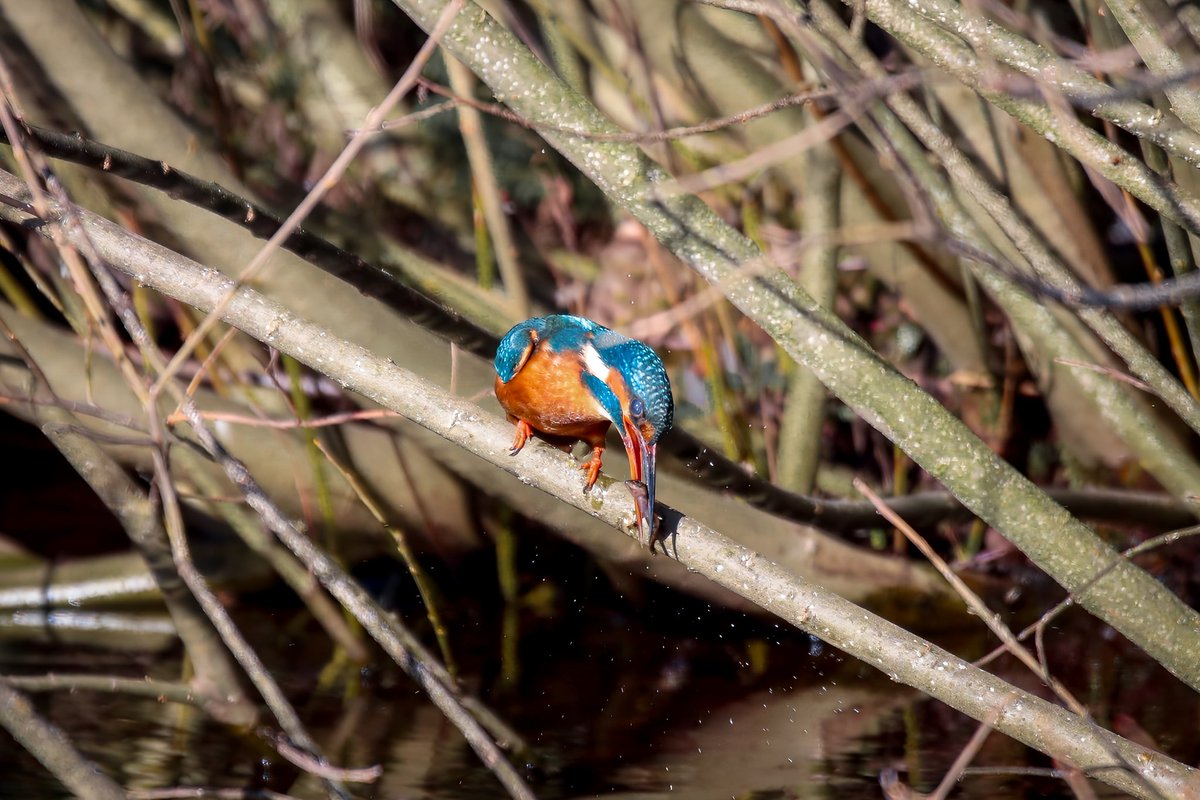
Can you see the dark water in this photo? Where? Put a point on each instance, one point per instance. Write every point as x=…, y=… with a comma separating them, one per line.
x=615, y=702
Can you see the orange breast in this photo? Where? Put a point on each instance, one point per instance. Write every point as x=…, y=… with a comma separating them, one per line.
x=548, y=394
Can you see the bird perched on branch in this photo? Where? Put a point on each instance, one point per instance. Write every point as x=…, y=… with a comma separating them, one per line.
x=564, y=379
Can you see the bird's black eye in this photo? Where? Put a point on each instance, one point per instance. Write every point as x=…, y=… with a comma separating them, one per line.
x=637, y=408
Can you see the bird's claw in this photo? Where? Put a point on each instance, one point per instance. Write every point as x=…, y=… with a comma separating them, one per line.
x=592, y=467
x=524, y=432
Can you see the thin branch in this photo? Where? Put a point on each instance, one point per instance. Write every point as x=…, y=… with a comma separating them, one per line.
x=425, y=587
x=1115, y=374
x=964, y=758
x=852, y=105
x=293, y=423
x=637, y=137
x=206, y=793
x=322, y=768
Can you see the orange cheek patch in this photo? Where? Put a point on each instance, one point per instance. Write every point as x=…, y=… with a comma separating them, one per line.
x=616, y=382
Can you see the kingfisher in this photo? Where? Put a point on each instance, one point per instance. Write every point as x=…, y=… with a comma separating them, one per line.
x=565, y=379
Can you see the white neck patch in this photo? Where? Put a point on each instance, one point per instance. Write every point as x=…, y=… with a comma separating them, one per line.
x=594, y=363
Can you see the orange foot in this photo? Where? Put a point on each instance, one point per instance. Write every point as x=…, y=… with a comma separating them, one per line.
x=592, y=465
x=524, y=432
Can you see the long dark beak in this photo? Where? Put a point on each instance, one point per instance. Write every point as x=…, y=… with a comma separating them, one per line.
x=642, y=458
x=649, y=456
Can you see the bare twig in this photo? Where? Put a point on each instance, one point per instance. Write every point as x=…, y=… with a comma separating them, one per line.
x=1115, y=374
x=289, y=424
x=206, y=793
x=961, y=761
x=253, y=217
x=637, y=137
x=320, y=767
x=141, y=687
